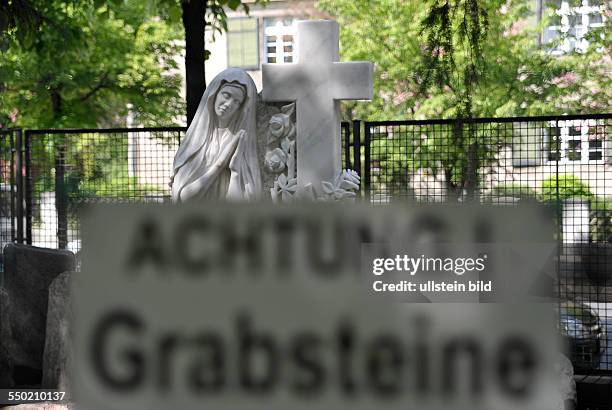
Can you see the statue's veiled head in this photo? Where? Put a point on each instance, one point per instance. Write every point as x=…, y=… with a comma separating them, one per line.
x=228, y=101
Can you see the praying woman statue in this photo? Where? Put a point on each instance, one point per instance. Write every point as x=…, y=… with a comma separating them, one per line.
x=217, y=159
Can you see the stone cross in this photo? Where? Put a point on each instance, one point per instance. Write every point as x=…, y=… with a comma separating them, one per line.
x=317, y=83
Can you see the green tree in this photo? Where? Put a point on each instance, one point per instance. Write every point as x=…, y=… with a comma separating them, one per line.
x=195, y=16
x=72, y=26
x=421, y=58
x=580, y=82
x=430, y=60
x=81, y=66
x=456, y=59
x=420, y=75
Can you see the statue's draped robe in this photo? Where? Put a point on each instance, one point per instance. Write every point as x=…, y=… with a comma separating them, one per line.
x=218, y=179
x=221, y=163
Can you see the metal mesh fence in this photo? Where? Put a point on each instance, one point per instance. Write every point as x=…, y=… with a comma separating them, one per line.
x=345, y=136
x=351, y=145
x=562, y=161
x=7, y=177
x=68, y=169
x=8, y=217
x=487, y=159
x=71, y=168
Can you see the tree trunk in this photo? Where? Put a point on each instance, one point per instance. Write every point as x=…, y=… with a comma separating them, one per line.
x=194, y=23
x=56, y=105
x=61, y=200
x=471, y=181
x=61, y=203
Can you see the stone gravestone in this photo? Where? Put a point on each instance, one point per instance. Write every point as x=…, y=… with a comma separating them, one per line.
x=28, y=273
x=6, y=371
x=290, y=162
x=58, y=351
x=317, y=83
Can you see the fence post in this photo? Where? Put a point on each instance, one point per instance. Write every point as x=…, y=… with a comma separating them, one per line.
x=346, y=129
x=357, y=146
x=60, y=196
x=28, y=187
x=561, y=249
x=454, y=192
x=19, y=184
x=357, y=153
x=473, y=164
x=368, y=165
x=12, y=185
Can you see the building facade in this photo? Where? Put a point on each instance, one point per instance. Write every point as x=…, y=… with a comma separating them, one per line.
x=266, y=35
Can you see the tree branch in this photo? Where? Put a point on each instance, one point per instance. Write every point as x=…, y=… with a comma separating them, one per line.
x=101, y=84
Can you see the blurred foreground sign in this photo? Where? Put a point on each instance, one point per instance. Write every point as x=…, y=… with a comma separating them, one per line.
x=250, y=306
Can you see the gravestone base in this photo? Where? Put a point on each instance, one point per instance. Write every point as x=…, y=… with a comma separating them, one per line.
x=58, y=348
x=6, y=364
x=29, y=272
x=41, y=406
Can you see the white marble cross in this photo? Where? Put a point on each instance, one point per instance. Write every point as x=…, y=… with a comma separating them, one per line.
x=317, y=83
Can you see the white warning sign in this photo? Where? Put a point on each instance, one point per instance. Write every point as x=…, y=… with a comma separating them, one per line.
x=250, y=306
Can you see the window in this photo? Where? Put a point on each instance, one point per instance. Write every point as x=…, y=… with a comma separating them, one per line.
x=577, y=141
x=573, y=23
x=242, y=43
x=279, y=46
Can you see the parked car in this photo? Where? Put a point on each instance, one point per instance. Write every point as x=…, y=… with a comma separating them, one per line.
x=584, y=334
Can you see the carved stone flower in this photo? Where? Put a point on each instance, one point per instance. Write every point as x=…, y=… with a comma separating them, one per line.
x=280, y=126
x=275, y=160
x=350, y=180
x=284, y=188
x=344, y=187
x=335, y=193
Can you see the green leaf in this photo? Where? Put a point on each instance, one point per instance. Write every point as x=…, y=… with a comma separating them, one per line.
x=28, y=39
x=233, y=4
x=105, y=14
x=175, y=14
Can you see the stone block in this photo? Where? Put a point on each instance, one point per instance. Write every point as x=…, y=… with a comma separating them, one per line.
x=28, y=272
x=6, y=364
x=58, y=347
